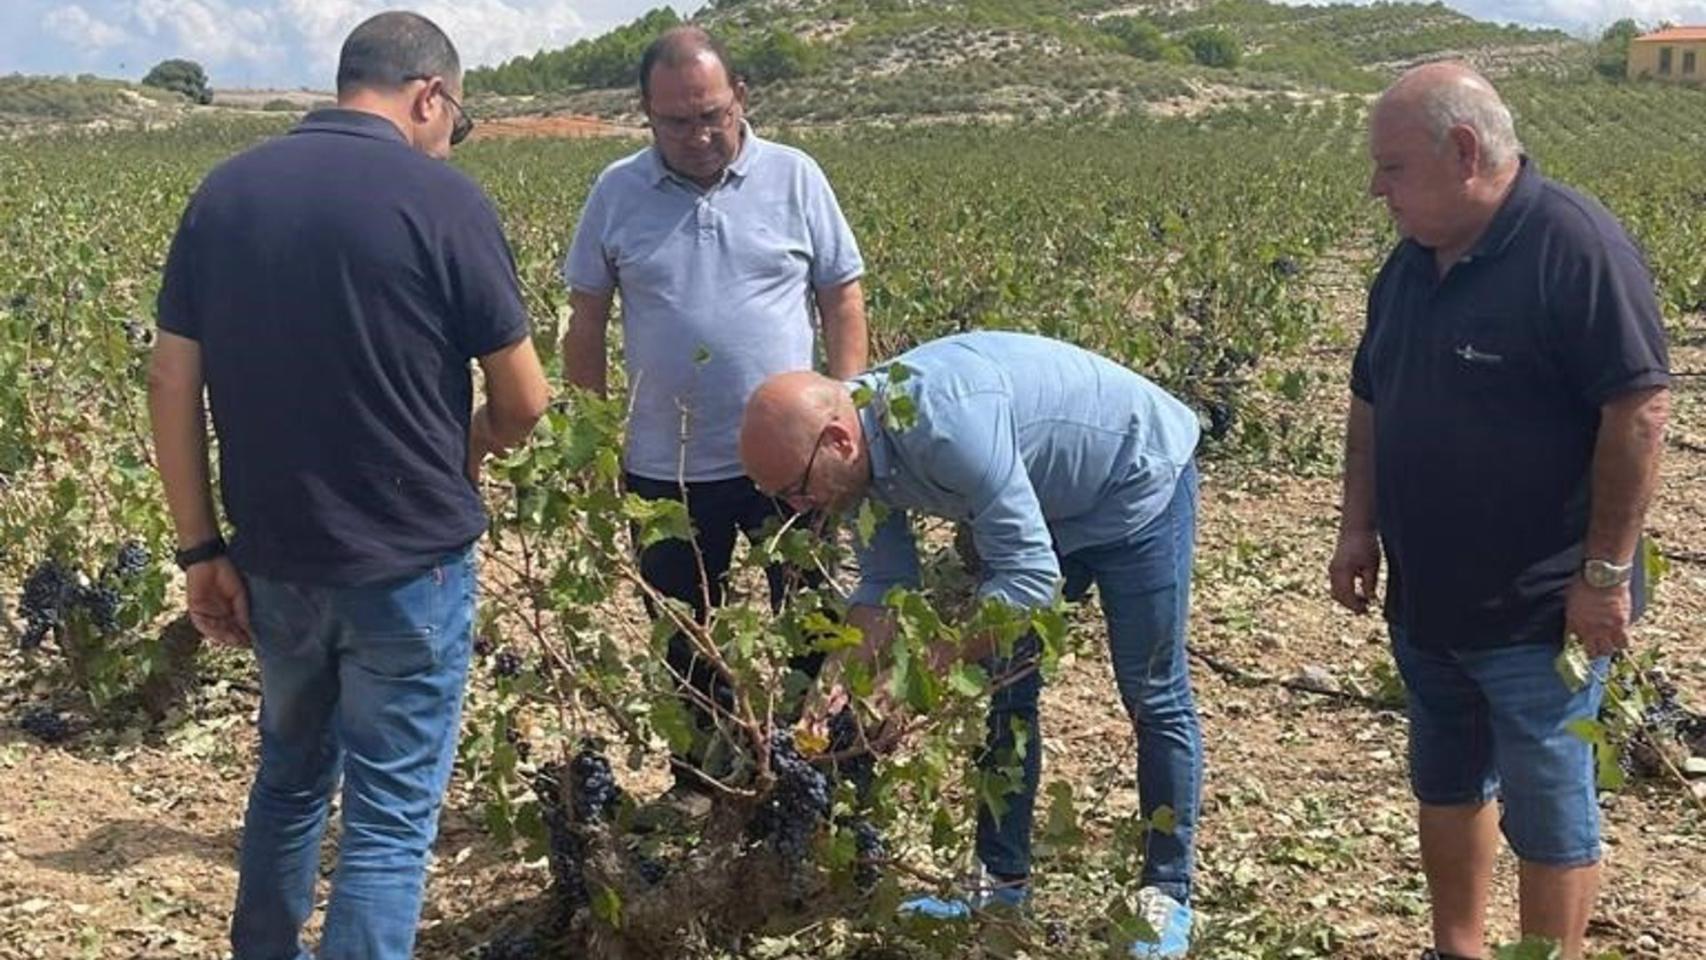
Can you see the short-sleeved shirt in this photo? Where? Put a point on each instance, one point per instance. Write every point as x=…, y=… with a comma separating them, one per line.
x=339, y=282
x=1044, y=448
x=716, y=287
x=1487, y=387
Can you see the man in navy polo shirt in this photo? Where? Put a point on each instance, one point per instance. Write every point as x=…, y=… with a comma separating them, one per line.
x=1509, y=396
x=725, y=247
x=328, y=289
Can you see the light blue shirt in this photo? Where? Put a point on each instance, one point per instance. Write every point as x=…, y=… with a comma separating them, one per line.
x=716, y=289
x=1041, y=446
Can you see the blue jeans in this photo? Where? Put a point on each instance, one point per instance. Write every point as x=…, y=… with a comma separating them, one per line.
x=1495, y=723
x=1145, y=587
x=363, y=682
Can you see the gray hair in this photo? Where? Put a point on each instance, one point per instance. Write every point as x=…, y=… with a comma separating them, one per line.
x=1470, y=101
x=389, y=49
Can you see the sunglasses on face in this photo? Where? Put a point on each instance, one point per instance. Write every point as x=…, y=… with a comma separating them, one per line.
x=798, y=488
x=463, y=125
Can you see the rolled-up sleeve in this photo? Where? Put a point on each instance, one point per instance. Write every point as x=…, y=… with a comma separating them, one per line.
x=973, y=450
x=889, y=560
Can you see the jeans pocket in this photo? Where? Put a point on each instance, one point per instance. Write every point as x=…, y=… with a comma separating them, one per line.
x=394, y=629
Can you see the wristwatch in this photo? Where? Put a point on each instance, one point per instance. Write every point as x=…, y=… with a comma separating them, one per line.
x=1603, y=574
x=206, y=550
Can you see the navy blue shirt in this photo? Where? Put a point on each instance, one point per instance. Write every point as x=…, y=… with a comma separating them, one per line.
x=339, y=282
x=1487, y=387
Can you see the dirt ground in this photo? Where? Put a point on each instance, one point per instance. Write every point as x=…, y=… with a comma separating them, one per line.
x=555, y=126
x=122, y=845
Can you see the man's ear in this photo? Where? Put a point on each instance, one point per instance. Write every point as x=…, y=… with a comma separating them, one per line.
x=420, y=106
x=1466, y=150
x=740, y=93
x=842, y=436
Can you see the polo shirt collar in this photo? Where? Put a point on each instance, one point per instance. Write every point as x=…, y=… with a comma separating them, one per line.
x=749, y=147
x=357, y=123
x=1501, y=230
x=1512, y=213
x=876, y=442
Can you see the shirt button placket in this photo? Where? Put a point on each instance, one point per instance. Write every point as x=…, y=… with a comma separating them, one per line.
x=706, y=216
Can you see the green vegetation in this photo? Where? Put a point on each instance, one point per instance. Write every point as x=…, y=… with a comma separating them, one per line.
x=184, y=77
x=25, y=99
x=1611, y=55
x=1204, y=252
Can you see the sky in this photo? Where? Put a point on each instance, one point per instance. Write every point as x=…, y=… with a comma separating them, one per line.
x=286, y=44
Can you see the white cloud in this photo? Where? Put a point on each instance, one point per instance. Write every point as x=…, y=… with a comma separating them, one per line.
x=209, y=30
x=484, y=31
x=76, y=26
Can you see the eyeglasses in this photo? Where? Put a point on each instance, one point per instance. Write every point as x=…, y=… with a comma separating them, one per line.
x=463, y=125
x=798, y=488
x=714, y=119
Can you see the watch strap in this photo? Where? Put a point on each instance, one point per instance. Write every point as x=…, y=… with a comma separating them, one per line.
x=200, y=553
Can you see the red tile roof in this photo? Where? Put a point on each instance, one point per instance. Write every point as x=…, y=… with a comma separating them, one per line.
x=1673, y=35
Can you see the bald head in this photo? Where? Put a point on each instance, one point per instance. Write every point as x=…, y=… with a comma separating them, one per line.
x=1451, y=95
x=800, y=439
x=678, y=47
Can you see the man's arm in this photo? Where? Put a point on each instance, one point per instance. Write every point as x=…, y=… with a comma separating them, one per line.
x=516, y=397
x=584, y=362
x=841, y=310
x=1355, y=569
x=1624, y=476
x=218, y=602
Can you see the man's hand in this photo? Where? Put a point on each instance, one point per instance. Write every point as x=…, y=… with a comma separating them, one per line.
x=1599, y=616
x=218, y=602
x=1354, y=572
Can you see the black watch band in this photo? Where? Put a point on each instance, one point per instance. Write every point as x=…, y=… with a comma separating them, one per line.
x=206, y=550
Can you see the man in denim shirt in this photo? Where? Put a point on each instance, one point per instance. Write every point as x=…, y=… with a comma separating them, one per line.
x=1064, y=464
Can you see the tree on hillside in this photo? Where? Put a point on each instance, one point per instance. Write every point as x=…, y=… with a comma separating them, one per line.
x=605, y=61
x=1213, y=47
x=1142, y=39
x=185, y=77
x=778, y=55
x=1611, y=57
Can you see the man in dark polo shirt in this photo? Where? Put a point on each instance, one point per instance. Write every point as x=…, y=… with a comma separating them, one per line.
x=329, y=289
x=1509, y=396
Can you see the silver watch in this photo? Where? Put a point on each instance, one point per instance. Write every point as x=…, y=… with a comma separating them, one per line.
x=1603, y=574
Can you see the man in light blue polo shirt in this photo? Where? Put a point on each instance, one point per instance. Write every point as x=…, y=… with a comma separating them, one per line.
x=725, y=248
x=1066, y=466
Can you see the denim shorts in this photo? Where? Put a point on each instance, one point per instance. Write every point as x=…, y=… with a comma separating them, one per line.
x=1495, y=723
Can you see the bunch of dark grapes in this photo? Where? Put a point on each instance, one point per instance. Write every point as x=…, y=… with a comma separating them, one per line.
x=566, y=850
x=868, y=843
x=799, y=802
x=511, y=946
x=595, y=790
x=43, y=602
x=651, y=870
x=857, y=770
x=44, y=724
x=482, y=647
x=131, y=559
x=523, y=749
x=101, y=602
x=1664, y=720
x=506, y=664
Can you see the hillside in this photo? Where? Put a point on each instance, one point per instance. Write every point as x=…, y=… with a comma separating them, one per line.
x=828, y=61
x=34, y=103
